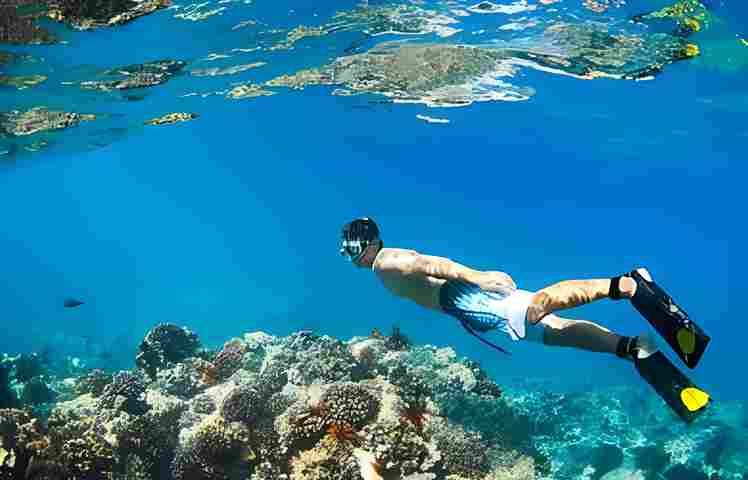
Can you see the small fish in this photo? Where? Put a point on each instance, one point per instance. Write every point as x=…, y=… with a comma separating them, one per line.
x=72, y=303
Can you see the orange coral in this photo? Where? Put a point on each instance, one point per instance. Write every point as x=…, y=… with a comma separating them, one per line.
x=343, y=433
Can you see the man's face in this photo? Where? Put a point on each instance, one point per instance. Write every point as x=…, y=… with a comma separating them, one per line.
x=365, y=260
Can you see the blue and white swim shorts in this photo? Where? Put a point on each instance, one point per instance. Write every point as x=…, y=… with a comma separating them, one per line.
x=484, y=311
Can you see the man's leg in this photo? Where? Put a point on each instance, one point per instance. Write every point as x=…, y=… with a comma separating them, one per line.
x=582, y=334
x=572, y=293
x=565, y=332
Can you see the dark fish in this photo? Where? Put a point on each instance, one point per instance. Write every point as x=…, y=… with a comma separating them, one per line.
x=72, y=303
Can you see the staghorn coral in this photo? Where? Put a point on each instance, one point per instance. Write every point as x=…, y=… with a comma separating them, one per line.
x=125, y=393
x=164, y=345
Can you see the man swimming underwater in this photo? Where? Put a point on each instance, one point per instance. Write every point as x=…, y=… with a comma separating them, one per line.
x=488, y=300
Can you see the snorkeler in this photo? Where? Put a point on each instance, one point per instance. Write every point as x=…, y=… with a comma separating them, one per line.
x=487, y=300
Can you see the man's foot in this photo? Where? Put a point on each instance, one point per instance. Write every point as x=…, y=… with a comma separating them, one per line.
x=624, y=286
x=636, y=347
x=627, y=286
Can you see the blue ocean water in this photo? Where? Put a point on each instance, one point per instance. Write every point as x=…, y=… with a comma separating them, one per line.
x=230, y=223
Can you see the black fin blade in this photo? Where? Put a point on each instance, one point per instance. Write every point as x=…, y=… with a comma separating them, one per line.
x=685, y=337
x=682, y=396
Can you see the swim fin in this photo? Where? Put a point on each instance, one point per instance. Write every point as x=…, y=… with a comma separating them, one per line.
x=682, y=396
x=686, y=338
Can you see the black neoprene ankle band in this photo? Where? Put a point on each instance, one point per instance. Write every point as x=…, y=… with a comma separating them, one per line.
x=625, y=348
x=614, y=292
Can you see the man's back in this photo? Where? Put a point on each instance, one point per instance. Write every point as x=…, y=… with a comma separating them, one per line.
x=395, y=268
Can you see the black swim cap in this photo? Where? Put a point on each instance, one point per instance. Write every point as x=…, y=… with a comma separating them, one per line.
x=357, y=235
x=361, y=229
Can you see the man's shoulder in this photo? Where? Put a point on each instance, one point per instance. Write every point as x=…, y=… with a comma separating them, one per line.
x=393, y=258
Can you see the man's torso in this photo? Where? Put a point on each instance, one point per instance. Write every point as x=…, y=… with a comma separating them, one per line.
x=422, y=289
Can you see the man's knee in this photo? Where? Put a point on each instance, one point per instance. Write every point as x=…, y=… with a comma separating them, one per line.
x=554, y=329
x=538, y=308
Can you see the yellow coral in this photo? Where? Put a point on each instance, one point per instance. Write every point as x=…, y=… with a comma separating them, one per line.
x=692, y=50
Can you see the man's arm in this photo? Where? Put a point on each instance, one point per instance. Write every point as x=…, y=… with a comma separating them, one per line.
x=444, y=268
x=409, y=262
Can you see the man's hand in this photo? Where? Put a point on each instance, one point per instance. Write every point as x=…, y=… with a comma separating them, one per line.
x=495, y=282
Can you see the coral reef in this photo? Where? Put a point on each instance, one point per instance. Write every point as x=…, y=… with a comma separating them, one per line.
x=126, y=393
x=309, y=407
x=229, y=359
x=217, y=449
x=93, y=382
x=129, y=77
x=165, y=345
x=39, y=119
x=89, y=14
x=8, y=398
x=27, y=366
x=18, y=23
x=171, y=118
